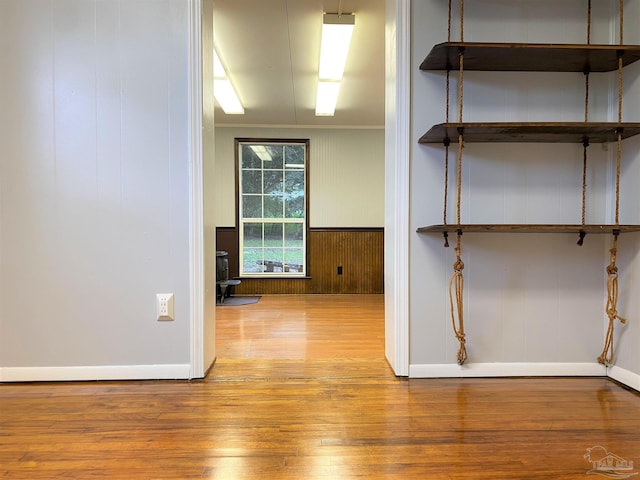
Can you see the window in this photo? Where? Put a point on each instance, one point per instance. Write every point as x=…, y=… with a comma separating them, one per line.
x=272, y=207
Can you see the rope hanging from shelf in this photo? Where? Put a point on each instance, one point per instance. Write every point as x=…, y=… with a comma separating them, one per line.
x=456, y=282
x=585, y=146
x=447, y=142
x=585, y=141
x=606, y=357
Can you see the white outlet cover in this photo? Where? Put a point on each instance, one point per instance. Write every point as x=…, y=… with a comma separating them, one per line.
x=164, y=306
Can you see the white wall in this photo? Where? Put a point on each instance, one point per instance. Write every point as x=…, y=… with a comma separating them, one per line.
x=535, y=299
x=346, y=174
x=94, y=181
x=627, y=365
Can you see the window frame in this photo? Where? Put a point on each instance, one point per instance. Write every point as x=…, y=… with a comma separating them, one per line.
x=239, y=143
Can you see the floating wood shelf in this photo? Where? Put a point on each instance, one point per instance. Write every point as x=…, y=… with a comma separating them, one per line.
x=541, y=132
x=529, y=57
x=528, y=228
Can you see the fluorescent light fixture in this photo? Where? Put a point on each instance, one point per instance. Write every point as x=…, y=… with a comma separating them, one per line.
x=326, y=98
x=336, y=37
x=334, y=48
x=223, y=90
x=262, y=152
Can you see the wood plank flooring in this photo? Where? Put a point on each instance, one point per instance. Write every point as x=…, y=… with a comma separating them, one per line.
x=303, y=327
x=291, y=413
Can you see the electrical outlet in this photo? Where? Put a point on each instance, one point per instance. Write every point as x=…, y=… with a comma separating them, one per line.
x=164, y=306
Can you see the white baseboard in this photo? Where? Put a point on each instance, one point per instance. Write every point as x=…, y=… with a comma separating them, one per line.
x=507, y=370
x=626, y=377
x=107, y=372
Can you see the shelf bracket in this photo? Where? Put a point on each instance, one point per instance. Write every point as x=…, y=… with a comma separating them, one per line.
x=581, y=234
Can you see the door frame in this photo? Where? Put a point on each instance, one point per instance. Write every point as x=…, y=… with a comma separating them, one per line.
x=397, y=164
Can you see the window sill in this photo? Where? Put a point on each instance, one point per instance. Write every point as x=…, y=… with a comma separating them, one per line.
x=273, y=277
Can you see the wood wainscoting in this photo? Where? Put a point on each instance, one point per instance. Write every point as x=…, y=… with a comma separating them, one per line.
x=359, y=251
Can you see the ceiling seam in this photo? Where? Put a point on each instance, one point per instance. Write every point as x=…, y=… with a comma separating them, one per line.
x=293, y=84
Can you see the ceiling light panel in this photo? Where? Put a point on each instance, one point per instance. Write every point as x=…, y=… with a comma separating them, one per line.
x=223, y=90
x=334, y=48
x=327, y=98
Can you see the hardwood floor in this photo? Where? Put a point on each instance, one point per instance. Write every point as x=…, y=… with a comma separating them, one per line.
x=291, y=410
x=303, y=327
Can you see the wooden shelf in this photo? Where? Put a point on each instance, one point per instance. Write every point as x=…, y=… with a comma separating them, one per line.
x=529, y=57
x=541, y=132
x=528, y=228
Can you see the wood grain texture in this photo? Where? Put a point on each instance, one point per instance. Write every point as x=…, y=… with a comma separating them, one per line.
x=530, y=132
x=530, y=57
x=360, y=253
x=314, y=418
x=528, y=228
x=303, y=327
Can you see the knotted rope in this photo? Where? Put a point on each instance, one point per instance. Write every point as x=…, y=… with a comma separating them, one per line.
x=456, y=287
x=606, y=357
x=456, y=282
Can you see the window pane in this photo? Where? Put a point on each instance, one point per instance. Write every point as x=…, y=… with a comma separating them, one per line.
x=252, y=260
x=252, y=251
x=273, y=207
x=294, y=155
x=249, y=158
x=295, y=182
x=252, y=235
x=251, y=181
x=276, y=157
x=293, y=258
x=294, y=207
x=273, y=235
x=252, y=206
x=272, y=182
x=273, y=259
x=293, y=235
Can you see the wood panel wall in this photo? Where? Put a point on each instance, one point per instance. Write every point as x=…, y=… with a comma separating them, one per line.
x=359, y=251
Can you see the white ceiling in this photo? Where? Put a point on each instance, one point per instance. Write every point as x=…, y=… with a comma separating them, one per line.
x=270, y=49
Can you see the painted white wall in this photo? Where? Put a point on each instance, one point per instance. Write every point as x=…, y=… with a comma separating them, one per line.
x=94, y=184
x=627, y=337
x=346, y=174
x=535, y=299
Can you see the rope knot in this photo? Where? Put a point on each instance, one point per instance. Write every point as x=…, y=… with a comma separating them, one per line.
x=604, y=361
x=458, y=266
x=612, y=313
x=606, y=357
x=462, y=354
